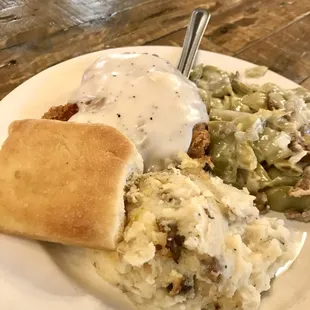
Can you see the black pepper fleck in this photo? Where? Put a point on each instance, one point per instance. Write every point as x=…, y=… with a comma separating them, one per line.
x=208, y=214
x=118, y=115
x=158, y=247
x=225, y=266
x=151, y=118
x=235, y=250
x=217, y=306
x=133, y=96
x=169, y=287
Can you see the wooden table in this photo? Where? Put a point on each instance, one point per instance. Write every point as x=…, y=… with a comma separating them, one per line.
x=36, y=34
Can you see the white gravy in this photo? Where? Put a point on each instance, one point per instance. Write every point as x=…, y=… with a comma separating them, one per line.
x=146, y=99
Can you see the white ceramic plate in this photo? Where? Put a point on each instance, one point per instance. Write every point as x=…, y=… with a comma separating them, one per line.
x=32, y=277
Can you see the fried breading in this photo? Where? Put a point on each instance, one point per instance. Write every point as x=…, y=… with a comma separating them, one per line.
x=200, y=141
x=61, y=112
x=199, y=144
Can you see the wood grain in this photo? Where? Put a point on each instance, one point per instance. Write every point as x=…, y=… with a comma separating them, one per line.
x=34, y=37
x=29, y=21
x=306, y=83
x=177, y=38
x=254, y=20
x=286, y=53
x=135, y=25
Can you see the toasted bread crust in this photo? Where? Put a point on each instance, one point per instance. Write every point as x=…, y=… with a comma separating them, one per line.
x=63, y=182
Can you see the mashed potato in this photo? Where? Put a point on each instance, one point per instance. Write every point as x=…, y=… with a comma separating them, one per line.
x=192, y=242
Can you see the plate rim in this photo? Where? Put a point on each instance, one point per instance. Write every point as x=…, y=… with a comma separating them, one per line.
x=167, y=47
x=6, y=100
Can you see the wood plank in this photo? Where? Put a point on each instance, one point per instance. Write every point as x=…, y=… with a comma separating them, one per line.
x=137, y=25
x=286, y=52
x=177, y=38
x=306, y=83
x=40, y=36
x=4, y=4
x=244, y=22
x=30, y=21
x=254, y=20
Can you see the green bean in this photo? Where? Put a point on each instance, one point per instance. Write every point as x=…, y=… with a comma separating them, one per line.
x=240, y=88
x=246, y=158
x=256, y=127
x=272, y=146
x=256, y=72
x=221, y=129
x=279, y=200
x=254, y=180
x=223, y=154
x=225, y=115
x=255, y=101
x=196, y=74
x=289, y=168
